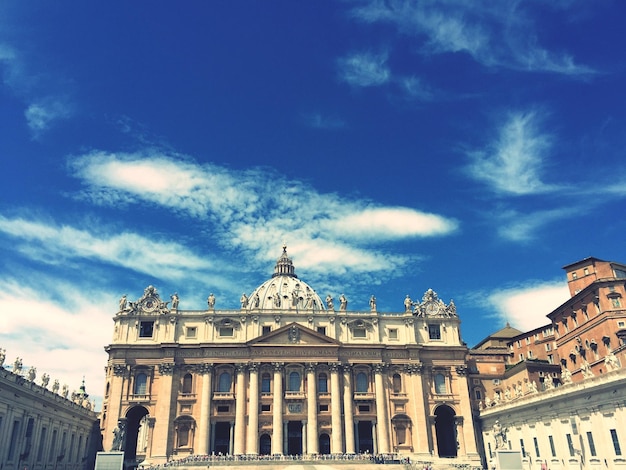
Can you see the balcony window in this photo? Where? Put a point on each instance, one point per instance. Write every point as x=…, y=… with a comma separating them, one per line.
x=266, y=383
x=187, y=383
x=294, y=382
x=322, y=383
x=434, y=331
x=141, y=381
x=361, y=382
x=440, y=384
x=224, y=382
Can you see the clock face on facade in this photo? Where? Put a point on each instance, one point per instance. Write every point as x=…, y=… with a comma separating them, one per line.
x=149, y=304
x=431, y=308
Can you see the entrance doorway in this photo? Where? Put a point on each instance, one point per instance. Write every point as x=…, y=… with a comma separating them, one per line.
x=134, y=418
x=294, y=437
x=222, y=438
x=324, y=444
x=366, y=441
x=445, y=429
x=265, y=445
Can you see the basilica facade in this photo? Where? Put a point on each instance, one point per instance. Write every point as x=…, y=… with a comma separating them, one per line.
x=287, y=374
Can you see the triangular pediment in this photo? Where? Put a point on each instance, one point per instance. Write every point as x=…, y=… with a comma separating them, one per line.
x=294, y=334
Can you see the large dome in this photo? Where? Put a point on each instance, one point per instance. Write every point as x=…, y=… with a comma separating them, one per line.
x=284, y=291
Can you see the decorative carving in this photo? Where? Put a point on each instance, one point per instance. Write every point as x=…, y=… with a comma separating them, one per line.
x=373, y=303
x=347, y=367
x=585, y=368
x=3, y=356
x=253, y=366
x=278, y=366
x=408, y=321
x=408, y=303
x=45, y=379
x=379, y=368
x=55, y=386
x=499, y=434
x=166, y=368
x=294, y=334
x=343, y=303
x=611, y=362
x=119, y=436
x=311, y=366
x=211, y=301
x=333, y=366
x=244, y=300
x=240, y=368
x=204, y=368
x=329, y=303
x=17, y=366
x=119, y=369
x=566, y=375
x=433, y=306
x=175, y=301
x=461, y=370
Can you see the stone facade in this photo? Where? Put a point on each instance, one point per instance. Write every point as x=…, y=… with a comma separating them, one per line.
x=41, y=429
x=558, y=393
x=287, y=373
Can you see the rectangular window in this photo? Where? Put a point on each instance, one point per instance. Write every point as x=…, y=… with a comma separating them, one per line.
x=42, y=442
x=477, y=394
x=321, y=330
x=521, y=357
x=548, y=347
x=266, y=330
x=521, y=446
x=434, y=331
x=552, y=449
x=53, y=444
x=550, y=359
x=574, y=276
x=489, y=448
x=592, y=446
x=14, y=435
x=519, y=344
x=146, y=329
x=192, y=332
x=570, y=445
x=223, y=408
x=586, y=271
x=227, y=331
x=616, y=446
x=537, y=454
x=266, y=408
x=364, y=408
x=621, y=324
x=359, y=333
x=527, y=340
x=393, y=333
x=530, y=354
x=323, y=408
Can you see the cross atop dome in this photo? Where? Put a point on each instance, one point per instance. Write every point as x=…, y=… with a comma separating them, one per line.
x=284, y=265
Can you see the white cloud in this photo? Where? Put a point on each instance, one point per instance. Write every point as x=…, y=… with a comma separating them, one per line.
x=364, y=69
x=525, y=307
x=41, y=115
x=514, y=162
x=54, y=244
x=255, y=210
x=63, y=336
x=519, y=227
x=495, y=34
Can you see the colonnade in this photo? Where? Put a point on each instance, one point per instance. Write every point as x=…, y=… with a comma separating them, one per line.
x=245, y=433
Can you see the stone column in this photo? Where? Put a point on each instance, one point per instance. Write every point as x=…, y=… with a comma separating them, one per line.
x=348, y=408
x=375, y=438
x=252, y=446
x=163, y=426
x=381, y=410
x=205, y=408
x=231, y=442
x=277, y=415
x=150, y=435
x=118, y=378
x=335, y=403
x=311, y=400
x=419, y=416
x=304, y=437
x=240, y=411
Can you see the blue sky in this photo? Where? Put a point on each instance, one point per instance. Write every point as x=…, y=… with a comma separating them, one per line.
x=469, y=147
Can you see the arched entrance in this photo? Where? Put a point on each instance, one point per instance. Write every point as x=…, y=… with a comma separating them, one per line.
x=445, y=428
x=136, y=435
x=265, y=445
x=324, y=444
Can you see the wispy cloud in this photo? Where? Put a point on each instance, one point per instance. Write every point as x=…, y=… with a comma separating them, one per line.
x=54, y=244
x=364, y=69
x=254, y=210
x=524, y=227
x=513, y=164
x=525, y=306
x=42, y=114
x=495, y=34
x=61, y=336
